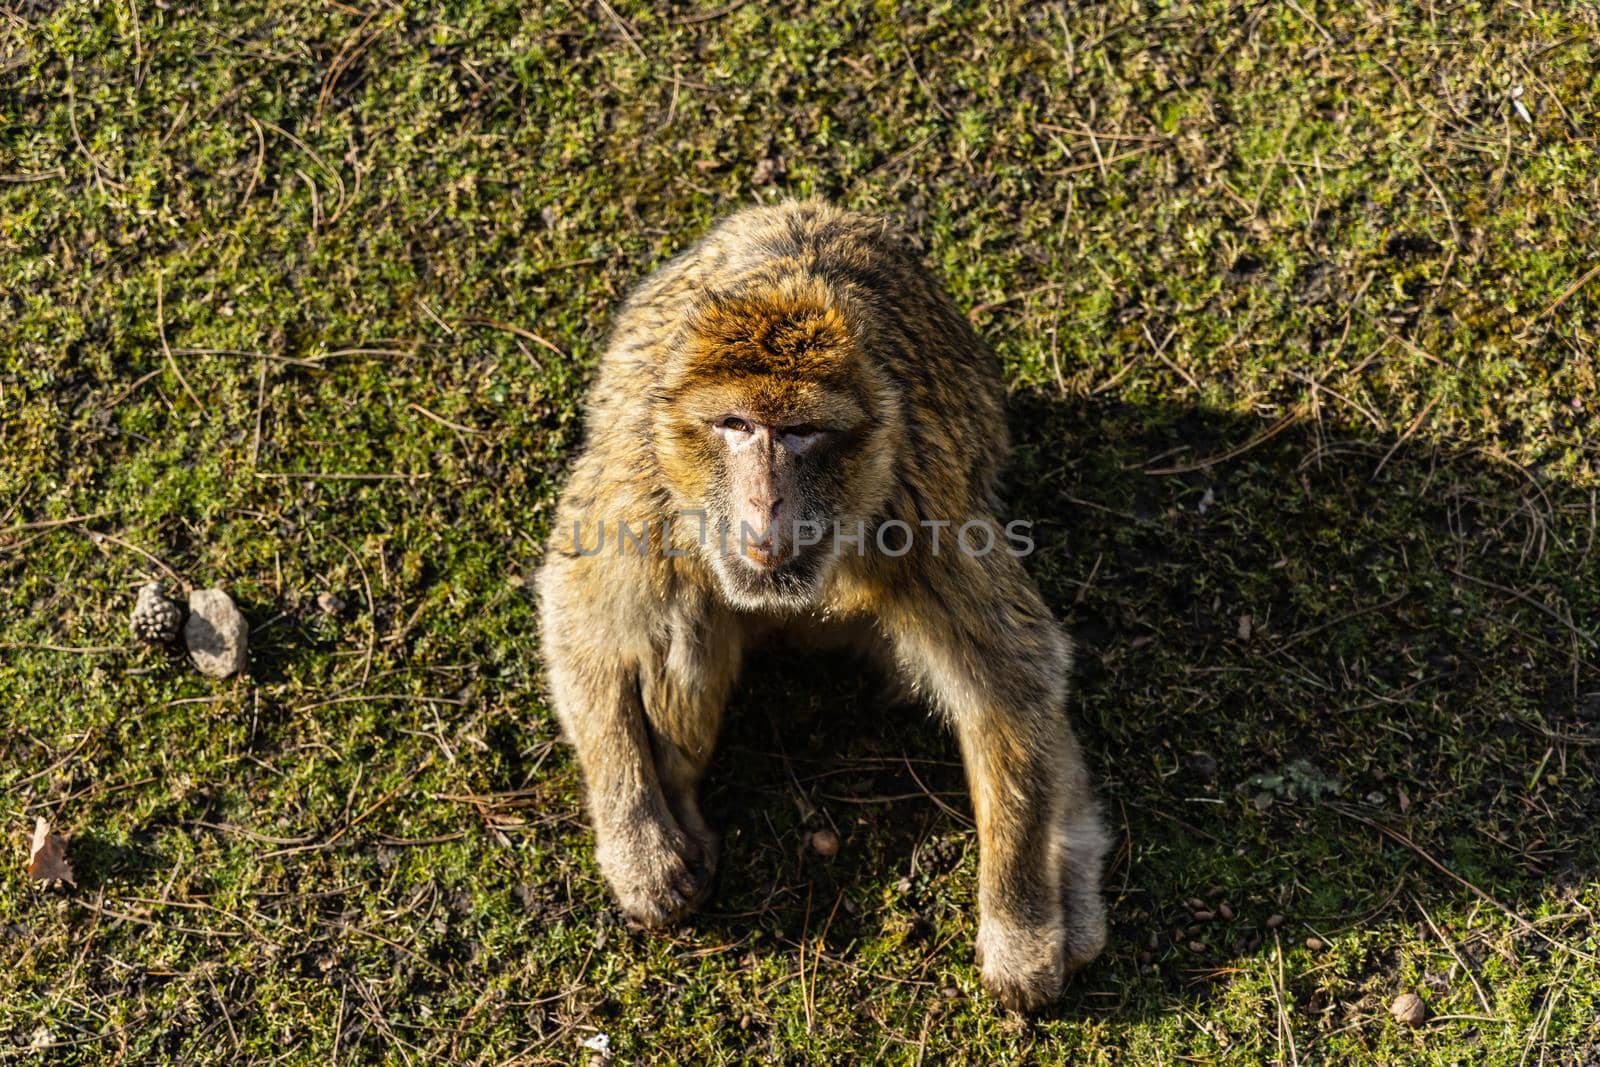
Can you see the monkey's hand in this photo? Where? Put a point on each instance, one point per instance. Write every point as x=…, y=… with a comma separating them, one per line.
x=659, y=872
x=1022, y=965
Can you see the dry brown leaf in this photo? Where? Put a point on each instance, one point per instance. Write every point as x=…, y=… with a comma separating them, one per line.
x=47, y=859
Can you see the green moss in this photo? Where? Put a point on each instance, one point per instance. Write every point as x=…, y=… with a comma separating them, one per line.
x=375, y=843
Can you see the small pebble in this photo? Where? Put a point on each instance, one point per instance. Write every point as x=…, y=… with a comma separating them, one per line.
x=1316, y=944
x=1274, y=921
x=1409, y=1010
x=767, y=170
x=825, y=843
x=1203, y=765
x=216, y=634
x=330, y=603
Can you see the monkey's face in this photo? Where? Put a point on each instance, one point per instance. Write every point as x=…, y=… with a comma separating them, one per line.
x=780, y=432
x=773, y=510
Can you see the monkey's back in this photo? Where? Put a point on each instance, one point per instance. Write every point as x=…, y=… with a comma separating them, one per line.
x=949, y=380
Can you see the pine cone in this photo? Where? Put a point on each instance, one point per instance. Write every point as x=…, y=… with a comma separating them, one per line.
x=155, y=618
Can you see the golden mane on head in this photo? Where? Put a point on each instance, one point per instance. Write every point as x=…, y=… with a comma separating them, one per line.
x=796, y=328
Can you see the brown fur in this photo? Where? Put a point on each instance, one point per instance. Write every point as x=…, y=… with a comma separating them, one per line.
x=804, y=314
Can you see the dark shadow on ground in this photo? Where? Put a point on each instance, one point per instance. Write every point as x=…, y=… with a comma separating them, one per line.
x=1309, y=677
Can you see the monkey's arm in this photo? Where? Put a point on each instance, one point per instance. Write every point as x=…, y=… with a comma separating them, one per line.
x=639, y=666
x=657, y=870
x=976, y=637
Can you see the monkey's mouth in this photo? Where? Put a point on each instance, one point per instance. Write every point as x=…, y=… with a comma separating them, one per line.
x=794, y=581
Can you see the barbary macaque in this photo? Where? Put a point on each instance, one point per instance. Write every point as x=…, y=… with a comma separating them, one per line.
x=793, y=429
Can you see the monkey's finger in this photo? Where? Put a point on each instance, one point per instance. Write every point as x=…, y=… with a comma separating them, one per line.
x=692, y=882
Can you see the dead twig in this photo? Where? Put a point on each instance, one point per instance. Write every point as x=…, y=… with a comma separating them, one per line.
x=1411, y=429
x=1448, y=944
x=1471, y=887
x=1532, y=603
x=442, y=421
x=1285, y=1028
x=528, y=335
x=1567, y=294
x=46, y=524
x=97, y=537
x=166, y=350
x=628, y=32
x=372, y=610
x=318, y=160
x=376, y=476
x=1233, y=453
x=931, y=795
x=725, y=9
x=261, y=159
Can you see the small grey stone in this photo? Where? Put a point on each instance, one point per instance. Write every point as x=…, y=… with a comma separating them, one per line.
x=216, y=633
x=330, y=603
x=1408, y=1009
x=824, y=843
x=1204, y=766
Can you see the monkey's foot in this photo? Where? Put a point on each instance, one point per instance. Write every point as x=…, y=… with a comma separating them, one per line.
x=659, y=873
x=1083, y=906
x=1085, y=912
x=1022, y=966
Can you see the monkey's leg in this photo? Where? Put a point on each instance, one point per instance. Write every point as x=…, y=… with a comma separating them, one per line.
x=638, y=685
x=983, y=644
x=684, y=696
x=657, y=869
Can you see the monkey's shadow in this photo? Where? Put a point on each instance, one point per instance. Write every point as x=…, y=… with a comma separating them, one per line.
x=1315, y=672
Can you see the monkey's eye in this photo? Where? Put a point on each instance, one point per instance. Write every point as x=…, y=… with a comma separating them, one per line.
x=734, y=424
x=803, y=438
